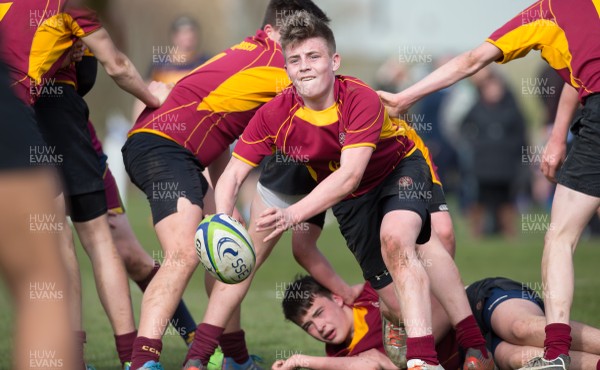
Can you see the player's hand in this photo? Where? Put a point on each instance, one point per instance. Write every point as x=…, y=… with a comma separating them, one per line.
x=238, y=216
x=553, y=157
x=160, y=90
x=276, y=219
x=294, y=362
x=353, y=294
x=394, y=103
x=74, y=54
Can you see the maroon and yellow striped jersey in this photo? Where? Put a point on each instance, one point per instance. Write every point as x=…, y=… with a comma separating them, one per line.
x=367, y=327
x=208, y=109
x=368, y=333
x=566, y=32
x=35, y=36
x=317, y=138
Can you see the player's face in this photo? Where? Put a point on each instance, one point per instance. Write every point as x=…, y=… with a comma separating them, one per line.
x=327, y=321
x=312, y=70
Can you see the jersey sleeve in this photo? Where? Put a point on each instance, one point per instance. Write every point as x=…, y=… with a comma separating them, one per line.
x=82, y=21
x=256, y=142
x=531, y=29
x=365, y=117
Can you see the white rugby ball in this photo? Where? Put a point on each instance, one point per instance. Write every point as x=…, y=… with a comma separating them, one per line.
x=225, y=248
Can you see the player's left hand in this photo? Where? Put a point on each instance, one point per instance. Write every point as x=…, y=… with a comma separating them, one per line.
x=276, y=219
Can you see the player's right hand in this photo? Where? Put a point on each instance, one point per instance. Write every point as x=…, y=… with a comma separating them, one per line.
x=553, y=157
x=160, y=90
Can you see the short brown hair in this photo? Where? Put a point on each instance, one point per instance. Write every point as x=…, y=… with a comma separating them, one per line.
x=303, y=26
x=279, y=10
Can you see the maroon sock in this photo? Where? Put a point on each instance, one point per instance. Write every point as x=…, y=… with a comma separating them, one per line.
x=422, y=348
x=205, y=342
x=80, y=340
x=143, y=284
x=468, y=335
x=234, y=345
x=558, y=340
x=144, y=350
x=124, y=344
x=598, y=365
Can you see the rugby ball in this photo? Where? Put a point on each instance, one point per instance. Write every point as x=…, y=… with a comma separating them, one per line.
x=225, y=248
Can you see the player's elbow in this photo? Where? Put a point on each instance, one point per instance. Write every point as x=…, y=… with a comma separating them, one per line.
x=352, y=182
x=118, y=68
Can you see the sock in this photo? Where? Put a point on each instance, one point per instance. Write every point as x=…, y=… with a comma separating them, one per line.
x=143, y=284
x=144, y=350
x=184, y=323
x=80, y=340
x=468, y=335
x=205, y=342
x=558, y=340
x=422, y=348
x=124, y=344
x=234, y=346
x=598, y=365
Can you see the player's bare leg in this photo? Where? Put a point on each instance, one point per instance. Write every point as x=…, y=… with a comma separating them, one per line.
x=447, y=287
x=441, y=223
x=522, y=322
x=410, y=281
x=571, y=211
x=31, y=263
x=138, y=263
x=225, y=299
x=109, y=273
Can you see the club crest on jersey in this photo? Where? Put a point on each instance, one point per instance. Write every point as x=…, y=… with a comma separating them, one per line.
x=405, y=182
x=342, y=138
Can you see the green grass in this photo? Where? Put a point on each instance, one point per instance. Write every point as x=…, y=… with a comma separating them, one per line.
x=268, y=335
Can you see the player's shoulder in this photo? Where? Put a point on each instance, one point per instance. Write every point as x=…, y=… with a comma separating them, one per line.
x=257, y=42
x=355, y=89
x=282, y=105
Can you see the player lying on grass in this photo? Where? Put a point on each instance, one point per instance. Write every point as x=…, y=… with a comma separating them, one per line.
x=369, y=172
x=510, y=314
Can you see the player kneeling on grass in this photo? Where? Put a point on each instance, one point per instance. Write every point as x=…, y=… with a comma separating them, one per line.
x=510, y=314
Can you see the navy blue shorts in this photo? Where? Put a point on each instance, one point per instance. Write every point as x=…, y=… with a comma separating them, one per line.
x=498, y=296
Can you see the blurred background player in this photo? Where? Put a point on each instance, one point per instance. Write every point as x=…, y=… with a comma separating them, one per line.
x=165, y=154
x=30, y=262
x=349, y=135
x=555, y=27
x=34, y=57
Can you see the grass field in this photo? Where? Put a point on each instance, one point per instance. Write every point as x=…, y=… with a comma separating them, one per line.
x=267, y=333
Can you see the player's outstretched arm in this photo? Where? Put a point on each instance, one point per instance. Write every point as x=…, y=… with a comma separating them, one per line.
x=329, y=192
x=308, y=255
x=120, y=68
x=229, y=183
x=556, y=148
x=456, y=69
x=370, y=361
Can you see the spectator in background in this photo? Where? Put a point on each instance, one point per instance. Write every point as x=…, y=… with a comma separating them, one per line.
x=494, y=131
x=171, y=63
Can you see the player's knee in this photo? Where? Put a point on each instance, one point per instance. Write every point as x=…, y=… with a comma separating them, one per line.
x=446, y=236
x=521, y=330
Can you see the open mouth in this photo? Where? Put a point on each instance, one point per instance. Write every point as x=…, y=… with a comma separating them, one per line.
x=330, y=334
x=308, y=78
